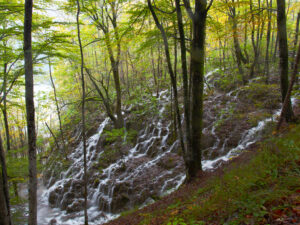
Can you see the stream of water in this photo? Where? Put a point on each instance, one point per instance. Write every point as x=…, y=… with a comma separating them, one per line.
x=101, y=197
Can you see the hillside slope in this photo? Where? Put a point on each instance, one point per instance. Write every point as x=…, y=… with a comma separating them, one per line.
x=261, y=186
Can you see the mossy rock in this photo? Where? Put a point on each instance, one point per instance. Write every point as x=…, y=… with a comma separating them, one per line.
x=109, y=156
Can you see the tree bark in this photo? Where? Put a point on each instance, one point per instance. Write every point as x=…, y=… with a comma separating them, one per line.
x=296, y=40
x=4, y=110
x=184, y=76
x=267, y=70
x=238, y=52
x=197, y=70
x=255, y=43
x=83, y=116
x=283, y=55
x=288, y=95
x=30, y=114
x=5, y=216
x=171, y=73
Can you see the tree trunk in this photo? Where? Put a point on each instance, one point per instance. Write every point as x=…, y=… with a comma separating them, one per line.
x=197, y=70
x=296, y=40
x=5, y=218
x=238, y=52
x=283, y=55
x=30, y=114
x=4, y=110
x=288, y=95
x=53, y=135
x=255, y=43
x=105, y=100
x=58, y=112
x=184, y=76
x=269, y=7
x=83, y=116
x=171, y=73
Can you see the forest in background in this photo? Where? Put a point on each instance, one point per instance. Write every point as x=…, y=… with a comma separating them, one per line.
x=96, y=57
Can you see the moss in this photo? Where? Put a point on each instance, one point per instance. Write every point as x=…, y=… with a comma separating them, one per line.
x=254, y=118
x=109, y=156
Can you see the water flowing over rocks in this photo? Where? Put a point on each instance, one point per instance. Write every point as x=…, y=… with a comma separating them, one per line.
x=125, y=174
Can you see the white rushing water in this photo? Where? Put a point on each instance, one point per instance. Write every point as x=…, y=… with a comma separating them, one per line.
x=156, y=135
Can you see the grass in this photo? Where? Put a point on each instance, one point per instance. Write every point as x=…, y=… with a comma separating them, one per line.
x=246, y=193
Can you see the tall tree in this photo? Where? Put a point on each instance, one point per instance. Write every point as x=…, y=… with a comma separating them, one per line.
x=30, y=111
x=105, y=14
x=269, y=8
x=187, y=116
x=83, y=115
x=289, y=92
x=198, y=18
x=58, y=111
x=237, y=48
x=283, y=56
x=171, y=73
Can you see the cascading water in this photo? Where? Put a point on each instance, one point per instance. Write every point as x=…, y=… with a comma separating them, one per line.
x=150, y=169
x=148, y=157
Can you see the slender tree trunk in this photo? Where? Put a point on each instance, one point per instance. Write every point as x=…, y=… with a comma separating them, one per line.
x=154, y=73
x=58, y=112
x=105, y=100
x=275, y=48
x=184, y=77
x=238, y=52
x=255, y=43
x=53, y=135
x=171, y=72
x=246, y=40
x=283, y=55
x=115, y=69
x=83, y=116
x=296, y=40
x=285, y=106
x=127, y=75
x=30, y=113
x=5, y=216
x=4, y=110
x=267, y=70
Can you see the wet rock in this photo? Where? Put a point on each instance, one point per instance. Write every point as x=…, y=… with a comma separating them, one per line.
x=67, y=200
x=52, y=199
x=119, y=203
x=76, y=206
x=169, y=161
x=153, y=149
x=54, y=196
x=78, y=186
x=53, y=222
x=208, y=140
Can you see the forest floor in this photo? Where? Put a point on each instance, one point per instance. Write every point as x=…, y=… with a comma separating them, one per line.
x=260, y=186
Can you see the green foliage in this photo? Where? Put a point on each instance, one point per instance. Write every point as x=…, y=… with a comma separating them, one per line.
x=115, y=135
x=17, y=166
x=261, y=95
x=242, y=193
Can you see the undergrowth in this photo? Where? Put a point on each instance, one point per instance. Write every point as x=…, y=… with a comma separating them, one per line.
x=244, y=193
